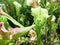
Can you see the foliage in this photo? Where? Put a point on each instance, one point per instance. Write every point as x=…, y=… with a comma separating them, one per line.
x=41, y=16
x=3, y=19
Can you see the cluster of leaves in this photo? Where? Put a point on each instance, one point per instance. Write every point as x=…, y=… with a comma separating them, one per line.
x=20, y=15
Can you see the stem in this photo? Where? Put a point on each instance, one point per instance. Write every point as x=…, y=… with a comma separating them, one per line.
x=46, y=31
x=38, y=31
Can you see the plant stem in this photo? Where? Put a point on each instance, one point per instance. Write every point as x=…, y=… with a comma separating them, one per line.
x=46, y=31
x=38, y=32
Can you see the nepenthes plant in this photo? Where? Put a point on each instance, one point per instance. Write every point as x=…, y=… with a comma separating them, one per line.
x=29, y=22
x=39, y=14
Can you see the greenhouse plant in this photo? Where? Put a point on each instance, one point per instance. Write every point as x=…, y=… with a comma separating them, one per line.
x=29, y=22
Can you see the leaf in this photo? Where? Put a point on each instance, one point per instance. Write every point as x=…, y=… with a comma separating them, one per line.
x=17, y=6
x=53, y=7
x=43, y=3
x=13, y=20
x=4, y=42
x=3, y=7
x=58, y=22
x=12, y=44
x=21, y=31
x=12, y=8
x=3, y=19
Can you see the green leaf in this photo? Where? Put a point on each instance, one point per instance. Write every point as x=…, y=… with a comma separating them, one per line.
x=3, y=19
x=58, y=22
x=4, y=42
x=18, y=6
x=12, y=44
x=23, y=31
x=13, y=20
